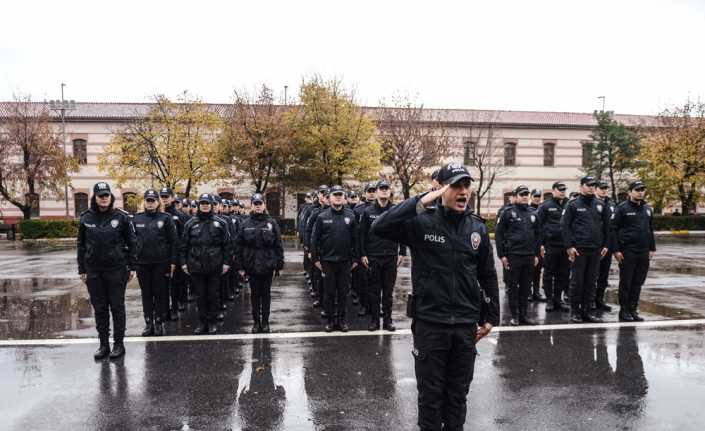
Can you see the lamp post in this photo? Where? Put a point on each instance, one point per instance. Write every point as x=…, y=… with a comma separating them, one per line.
x=61, y=106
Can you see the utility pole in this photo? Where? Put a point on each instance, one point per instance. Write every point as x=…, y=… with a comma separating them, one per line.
x=61, y=106
x=286, y=87
x=603, y=102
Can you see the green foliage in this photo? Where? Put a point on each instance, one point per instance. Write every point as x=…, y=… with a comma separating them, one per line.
x=34, y=229
x=679, y=223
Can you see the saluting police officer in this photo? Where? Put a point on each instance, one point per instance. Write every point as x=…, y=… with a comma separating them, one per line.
x=452, y=270
x=584, y=226
x=632, y=224
x=602, y=192
x=334, y=251
x=316, y=272
x=205, y=253
x=158, y=244
x=380, y=257
x=177, y=286
x=260, y=256
x=107, y=260
x=555, y=260
x=517, y=241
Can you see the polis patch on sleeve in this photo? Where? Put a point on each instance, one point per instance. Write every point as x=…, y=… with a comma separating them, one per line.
x=475, y=240
x=114, y=223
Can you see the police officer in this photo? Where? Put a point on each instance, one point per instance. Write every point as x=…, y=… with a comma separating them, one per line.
x=316, y=272
x=107, y=260
x=632, y=224
x=380, y=257
x=453, y=269
x=360, y=282
x=235, y=219
x=177, y=286
x=301, y=228
x=602, y=192
x=584, y=226
x=260, y=255
x=536, y=281
x=555, y=259
x=205, y=253
x=157, y=238
x=334, y=251
x=517, y=241
x=353, y=199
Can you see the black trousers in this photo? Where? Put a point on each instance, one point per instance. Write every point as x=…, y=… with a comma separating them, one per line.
x=536, y=281
x=154, y=284
x=632, y=275
x=582, y=279
x=317, y=281
x=107, y=294
x=177, y=288
x=519, y=275
x=261, y=287
x=380, y=280
x=556, y=274
x=602, y=276
x=360, y=282
x=336, y=286
x=444, y=362
x=207, y=287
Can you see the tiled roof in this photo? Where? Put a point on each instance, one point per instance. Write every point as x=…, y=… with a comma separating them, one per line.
x=100, y=111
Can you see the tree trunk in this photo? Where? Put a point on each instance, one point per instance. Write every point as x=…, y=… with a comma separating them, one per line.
x=26, y=212
x=187, y=192
x=405, y=190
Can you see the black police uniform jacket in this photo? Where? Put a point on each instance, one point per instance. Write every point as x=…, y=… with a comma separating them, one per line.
x=259, y=247
x=585, y=223
x=611, y=239
x=157, y=238
x=106, y=241
x=375, y=245
x=334, y=236
x=206, y=244
x=549, y=215
x=178, y=217
x=301, y=221
x=452, y=262
x=517, y=231
x=632, y=226
x=310, y=221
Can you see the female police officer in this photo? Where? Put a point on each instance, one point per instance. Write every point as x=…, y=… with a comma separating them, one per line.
x=107, y=255
x=205, y=253
x=259, y=255
x=158, y=245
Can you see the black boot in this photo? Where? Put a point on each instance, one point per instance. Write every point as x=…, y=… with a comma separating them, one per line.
x=329, y=326
x=265, y=326
x=634, y=312
x=220, y=316
x=560, y=306
x=159, y=328
x=148, y=328
x=118, y=350
x=374, y=325
x=625, y=315
x=575, y=317
x=526, y=321
x=343, y=326
x=549, y=306
x=200, y=329
x=514, y=321
x=103, y=351
x=212, y=328
x=388, y=325
x=590, y=318
x=601, y=306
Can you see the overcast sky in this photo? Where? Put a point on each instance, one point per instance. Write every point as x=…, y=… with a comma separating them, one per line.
x=515, y=55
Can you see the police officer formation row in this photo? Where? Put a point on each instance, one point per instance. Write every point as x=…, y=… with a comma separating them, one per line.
x=573, y=240
x=176, y=257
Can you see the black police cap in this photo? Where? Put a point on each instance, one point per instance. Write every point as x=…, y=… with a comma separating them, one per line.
x=637, y=185
x=452, y=173
x=536, y=193
x=559, y=186
x=589, y=180
x=151, y=194
x=370, y=187
x=383, y=183
x=603, y=184
x=101, y=189
x=521, y=189
x=257, y=198
x=165, y=191
x=336, y=189
x=205, y=197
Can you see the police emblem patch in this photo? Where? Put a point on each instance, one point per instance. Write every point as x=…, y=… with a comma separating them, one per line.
x=475, y=240
x=347, y=220
x=216, y=223
x=533, y=218
x=269, y=226
x=160, y=224
x=514, y=214
x=648, y=213
x=114, y=223
x=599, y=208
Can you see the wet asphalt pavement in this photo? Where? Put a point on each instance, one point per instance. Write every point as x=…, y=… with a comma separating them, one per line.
x=615, y=377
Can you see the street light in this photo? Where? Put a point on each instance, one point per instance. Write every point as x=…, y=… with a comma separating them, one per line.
x=61, y=106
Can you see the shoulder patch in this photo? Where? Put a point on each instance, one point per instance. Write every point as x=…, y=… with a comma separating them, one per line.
x=475, y=240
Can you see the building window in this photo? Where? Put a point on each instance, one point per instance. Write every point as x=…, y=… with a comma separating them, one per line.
x=80, y=203
x=273, y=204
x=80, y=151
x=510, y=154
x=507, y=196
x=587, y=154
x=549, y=154
x=129, y=202
x=32, y=199
x=469, y=153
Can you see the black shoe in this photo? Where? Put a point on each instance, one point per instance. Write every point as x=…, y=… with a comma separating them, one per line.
x=590, y=318
x=256, y=328
x=323, y=314
x=220, y=316
x=530, y=298
x=635, y=315
x=601, y=306
x=389, y=326
x=538, y=298
x=575, y=317
x=148, y=329
x=173, y=315
x=343, y=327
x=316, y=304
x=182, y=306
x=625, y=316
x=549, y=306
x=526, y=321
x=231, y=297
x=118, y=350
x=102, y=352
x=362, y=312
x=223, y=306
x=373, y=326
x=561, y=306
x=329, y=327
x=513, y=321
x=265, y=327
x=212, y=329
x=200, y=329
x=313, y=295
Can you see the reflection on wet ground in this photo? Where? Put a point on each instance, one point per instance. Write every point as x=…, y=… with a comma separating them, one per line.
x=591, y=379
x=42, y=297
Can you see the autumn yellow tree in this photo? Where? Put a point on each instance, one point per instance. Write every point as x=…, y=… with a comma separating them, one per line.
x=674, y=154
x=335, y=139
x=174, y=145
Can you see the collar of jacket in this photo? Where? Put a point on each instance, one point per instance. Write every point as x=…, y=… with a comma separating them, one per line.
x=204, y=216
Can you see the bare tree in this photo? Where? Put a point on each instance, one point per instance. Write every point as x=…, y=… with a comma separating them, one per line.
x=32, y=158
x=413, y=139
x=484, y=153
